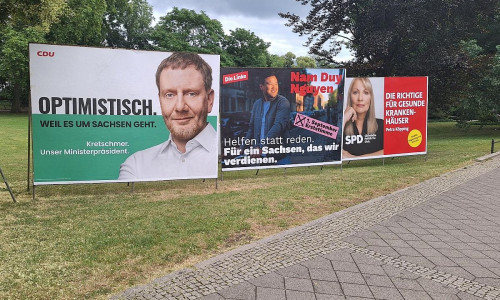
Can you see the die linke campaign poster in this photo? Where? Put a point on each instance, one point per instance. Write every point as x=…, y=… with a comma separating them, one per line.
x=277, y=117
x=384, y=117
x=97, y=116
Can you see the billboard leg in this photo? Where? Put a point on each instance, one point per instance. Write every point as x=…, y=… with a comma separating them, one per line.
x=257, y=172
x=216, y=183
x=383, y=161
x=29, y=145
x=132, y=190
x=34, y=192
x=284, y=172
x=8, y=187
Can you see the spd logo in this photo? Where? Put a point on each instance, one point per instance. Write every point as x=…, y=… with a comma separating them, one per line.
x=45, y=53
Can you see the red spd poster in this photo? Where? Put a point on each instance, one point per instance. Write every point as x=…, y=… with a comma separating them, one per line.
x=384, y=116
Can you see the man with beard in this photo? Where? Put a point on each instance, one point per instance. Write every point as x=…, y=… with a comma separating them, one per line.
x=184, y=82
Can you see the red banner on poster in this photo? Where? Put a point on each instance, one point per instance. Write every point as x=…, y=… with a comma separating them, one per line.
x=405, y=115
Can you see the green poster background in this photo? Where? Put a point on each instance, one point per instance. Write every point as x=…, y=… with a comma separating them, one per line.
x=55, y=136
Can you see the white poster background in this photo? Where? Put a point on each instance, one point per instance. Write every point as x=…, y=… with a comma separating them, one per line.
x=84, y=72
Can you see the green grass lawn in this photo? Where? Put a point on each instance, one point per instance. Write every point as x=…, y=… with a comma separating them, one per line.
x=90, y=241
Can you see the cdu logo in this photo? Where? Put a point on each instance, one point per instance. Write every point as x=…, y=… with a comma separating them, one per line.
x=45, y=53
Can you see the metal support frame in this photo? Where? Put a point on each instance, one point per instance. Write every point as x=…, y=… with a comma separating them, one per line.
x=8, y=187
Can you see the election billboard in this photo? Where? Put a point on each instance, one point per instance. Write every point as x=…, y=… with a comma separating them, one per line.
x=115, y=115
x=280, y=117
x=384, y=117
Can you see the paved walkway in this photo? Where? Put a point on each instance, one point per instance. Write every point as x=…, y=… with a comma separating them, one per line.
x=439, y=239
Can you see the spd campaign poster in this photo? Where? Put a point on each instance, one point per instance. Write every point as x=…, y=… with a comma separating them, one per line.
x=112, y=115
x=384, y=117
x=280, y=117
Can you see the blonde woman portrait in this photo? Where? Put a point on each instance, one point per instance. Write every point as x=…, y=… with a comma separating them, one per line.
x=363, y=132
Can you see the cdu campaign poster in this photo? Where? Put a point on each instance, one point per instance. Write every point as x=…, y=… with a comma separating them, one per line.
x=280, y=117
x=384, y=117
x=115, y=115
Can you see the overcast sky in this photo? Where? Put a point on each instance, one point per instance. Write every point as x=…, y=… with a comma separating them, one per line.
x=258, y=16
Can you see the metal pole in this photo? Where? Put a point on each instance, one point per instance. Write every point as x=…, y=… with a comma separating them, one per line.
x=8, y=187
x=492, y=145
x=29, y=144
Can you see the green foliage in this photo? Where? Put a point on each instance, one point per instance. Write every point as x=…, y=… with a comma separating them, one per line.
x=305, y=62
x=479, y=99
x=14, y=60
x=401, y=38
x=117, y=23
x=276, y=61
x=81, y=24
x=187, y=30
x=289, y=58
x=128, y=24
x=246, y=49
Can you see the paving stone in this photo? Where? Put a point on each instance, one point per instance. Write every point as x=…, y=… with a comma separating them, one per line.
x=329, y=297
x=356, y=290
x=406, y=284
x=479, y=271
x=441, y=261
x=243, y=291
x=345, y=266
x=298, y=284
x=213, y=297
x=378, y=280
x=414, y=295
x=386, y=293
x=322, y=274
x=371, y=269
x=318, y=263
x=327, y=287
x=272, y=280
x=404, y=251
x=350, y=277
x=296, y=271
x=270, y=294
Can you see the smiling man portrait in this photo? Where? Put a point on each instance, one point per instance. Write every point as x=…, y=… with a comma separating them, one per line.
x=184, y=82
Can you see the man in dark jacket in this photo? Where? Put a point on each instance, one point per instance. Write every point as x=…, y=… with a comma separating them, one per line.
x=269, y=121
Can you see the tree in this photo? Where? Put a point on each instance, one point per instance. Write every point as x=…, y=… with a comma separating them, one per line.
x=479, y=100
x=128, y=24
x=187, y=30
x=80, y=24
x=14, y=61
x=289, y=58
x=23, y=22
x=246, y=49
x=275, y=61
x=305, y=62
x=402, y=37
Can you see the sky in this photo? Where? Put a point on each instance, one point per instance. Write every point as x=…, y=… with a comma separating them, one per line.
x=258, y=16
